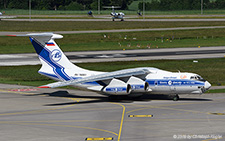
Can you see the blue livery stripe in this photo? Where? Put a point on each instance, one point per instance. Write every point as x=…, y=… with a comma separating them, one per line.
x=136, y=87
x=37, y=46
x=116, y=89
x=55, y=76
x=174, y=82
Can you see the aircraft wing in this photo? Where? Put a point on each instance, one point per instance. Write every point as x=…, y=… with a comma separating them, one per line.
x=100, y=77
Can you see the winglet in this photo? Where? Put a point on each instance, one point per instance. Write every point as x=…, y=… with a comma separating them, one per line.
x=44, y=87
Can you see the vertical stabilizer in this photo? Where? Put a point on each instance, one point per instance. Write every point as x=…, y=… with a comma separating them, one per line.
x=54, y=63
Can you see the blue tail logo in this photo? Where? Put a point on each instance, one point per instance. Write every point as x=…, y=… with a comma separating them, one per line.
x=56, y=55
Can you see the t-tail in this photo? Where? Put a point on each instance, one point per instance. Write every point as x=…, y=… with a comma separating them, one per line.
x=54, y=63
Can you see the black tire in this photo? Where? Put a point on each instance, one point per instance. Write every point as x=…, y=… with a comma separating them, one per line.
x=176, y=98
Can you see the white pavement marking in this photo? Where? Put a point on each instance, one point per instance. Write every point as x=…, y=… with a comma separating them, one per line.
x=11, y=56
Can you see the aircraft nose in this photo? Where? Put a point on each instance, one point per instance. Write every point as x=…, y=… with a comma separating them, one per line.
x=207, y=85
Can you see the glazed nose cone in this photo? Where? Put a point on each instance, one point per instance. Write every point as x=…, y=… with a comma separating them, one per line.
x=207, y=85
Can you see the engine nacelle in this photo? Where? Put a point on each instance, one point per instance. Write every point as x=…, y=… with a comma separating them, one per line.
x=138, y=85
x=117, y=87
x=122, y=14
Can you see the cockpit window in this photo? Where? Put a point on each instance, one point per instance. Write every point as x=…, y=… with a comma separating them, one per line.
x=197, y=77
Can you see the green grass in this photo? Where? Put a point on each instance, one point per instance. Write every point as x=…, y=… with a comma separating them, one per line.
x=94, y=25
x=133, y=11
x=210, y=69
x=116, y=41
x=134, y=4
x=216, y=91
x=22, y=75
x=134, y=17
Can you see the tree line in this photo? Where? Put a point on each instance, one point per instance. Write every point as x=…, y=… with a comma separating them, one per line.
x=62, y=4
x=182, y=5
x=93, y=4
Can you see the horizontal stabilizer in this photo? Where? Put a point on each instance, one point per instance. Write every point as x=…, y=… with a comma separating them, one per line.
x=111, y=7
x=45, y=34
x=44, y=87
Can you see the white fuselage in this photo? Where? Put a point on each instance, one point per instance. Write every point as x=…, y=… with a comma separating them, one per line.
x=117, y=15
x=160, y=82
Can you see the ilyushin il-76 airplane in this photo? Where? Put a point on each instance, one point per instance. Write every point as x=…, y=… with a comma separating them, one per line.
x=130, y=82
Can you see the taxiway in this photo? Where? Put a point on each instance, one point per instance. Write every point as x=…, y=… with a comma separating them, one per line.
x=120, y=55
x=28, y=113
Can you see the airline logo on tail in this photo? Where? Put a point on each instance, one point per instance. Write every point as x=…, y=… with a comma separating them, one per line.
x=56, y=55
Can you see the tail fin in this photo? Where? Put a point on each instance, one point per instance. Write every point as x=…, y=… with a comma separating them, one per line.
x=54, y=63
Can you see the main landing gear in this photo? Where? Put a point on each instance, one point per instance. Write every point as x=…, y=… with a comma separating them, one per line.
x=174, y=97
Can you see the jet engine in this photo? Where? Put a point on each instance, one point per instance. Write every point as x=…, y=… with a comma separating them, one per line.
x=122, y=14
x=138, y=85
x=117, y=87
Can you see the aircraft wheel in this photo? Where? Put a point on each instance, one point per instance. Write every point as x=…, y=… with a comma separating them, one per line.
x=176, y=98
x=122, y=19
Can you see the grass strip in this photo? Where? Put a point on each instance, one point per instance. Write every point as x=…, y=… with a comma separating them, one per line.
x=216, y=91
x=96, y=25
x=120, y=41
x=210, y=69
x=127, y=12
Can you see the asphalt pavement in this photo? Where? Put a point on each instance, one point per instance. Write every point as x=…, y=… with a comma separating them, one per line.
x=120, y=55
x=29, y=113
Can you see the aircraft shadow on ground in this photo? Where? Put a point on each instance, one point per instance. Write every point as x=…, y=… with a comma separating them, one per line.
x=102, y=98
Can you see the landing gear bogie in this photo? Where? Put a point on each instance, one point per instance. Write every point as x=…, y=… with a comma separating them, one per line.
x=176, y=98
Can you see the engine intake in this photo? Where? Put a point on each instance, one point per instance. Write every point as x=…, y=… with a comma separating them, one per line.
x=117, y=87
x=138, y=85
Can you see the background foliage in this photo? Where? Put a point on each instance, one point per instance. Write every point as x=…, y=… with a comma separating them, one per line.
x=93, y=4
x=62, y=4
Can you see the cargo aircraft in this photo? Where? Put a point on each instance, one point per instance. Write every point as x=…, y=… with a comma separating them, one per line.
x=130, y=82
